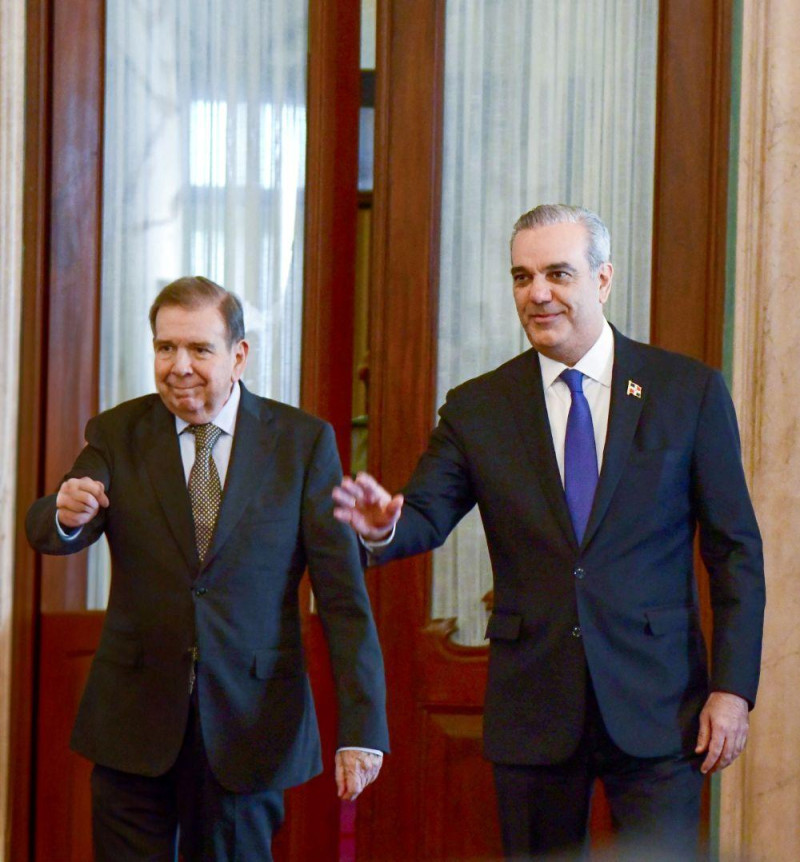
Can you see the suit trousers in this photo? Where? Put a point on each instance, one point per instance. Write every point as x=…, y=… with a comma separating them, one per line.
x=138, y=817
x=655, y=802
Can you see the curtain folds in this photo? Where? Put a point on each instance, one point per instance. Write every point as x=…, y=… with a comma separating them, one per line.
x=543, y=103
x=204, y=174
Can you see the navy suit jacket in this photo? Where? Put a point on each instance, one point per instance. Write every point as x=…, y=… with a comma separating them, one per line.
x=623, y=604
x=240, y=607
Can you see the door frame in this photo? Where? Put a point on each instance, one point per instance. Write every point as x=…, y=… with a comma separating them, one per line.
x=60, y=338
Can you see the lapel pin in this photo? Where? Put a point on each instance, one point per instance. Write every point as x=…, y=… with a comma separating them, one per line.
x=634, y=389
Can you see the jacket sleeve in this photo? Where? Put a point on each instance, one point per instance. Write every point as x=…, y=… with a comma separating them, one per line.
x=438, y=495
x=337, y=579
x=40, y=522
x=730, y=545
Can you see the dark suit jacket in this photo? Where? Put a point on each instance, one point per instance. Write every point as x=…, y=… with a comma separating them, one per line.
x=624, y=602
x=240, y=607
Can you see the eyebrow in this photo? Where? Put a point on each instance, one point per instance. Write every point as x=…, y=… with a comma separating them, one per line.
x=192, y=345
x=551, y=267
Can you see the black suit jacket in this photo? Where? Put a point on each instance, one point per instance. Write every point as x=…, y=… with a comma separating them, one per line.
x=624, y=603
x=240, y=607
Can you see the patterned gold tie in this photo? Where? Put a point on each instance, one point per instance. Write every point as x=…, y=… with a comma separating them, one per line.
x=205, y=489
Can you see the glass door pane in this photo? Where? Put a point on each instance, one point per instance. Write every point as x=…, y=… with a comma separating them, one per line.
x=204, y=174
x=543, y=103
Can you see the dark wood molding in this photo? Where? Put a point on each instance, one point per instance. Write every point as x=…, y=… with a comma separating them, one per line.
x=334, y=94
x=403, y=328
x=63, y=796
x=24, y=620
x=73, y=277
x=691, y=177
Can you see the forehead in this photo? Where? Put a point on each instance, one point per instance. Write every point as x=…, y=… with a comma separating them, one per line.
x=203, y=322
x=537, y=247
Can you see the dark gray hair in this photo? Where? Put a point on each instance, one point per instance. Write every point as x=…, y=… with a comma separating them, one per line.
x=599, y=249
x=193, y=291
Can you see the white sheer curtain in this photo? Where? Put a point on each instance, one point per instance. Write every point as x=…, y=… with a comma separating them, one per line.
x=204, y=174
x=544, y=102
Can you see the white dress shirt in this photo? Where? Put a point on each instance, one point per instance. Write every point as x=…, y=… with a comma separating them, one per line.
x=596, y=365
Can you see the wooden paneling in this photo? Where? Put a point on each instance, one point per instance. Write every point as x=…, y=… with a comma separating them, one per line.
x=29, y=473
x=458, y=816
x=692, y=130
x=403, y=355
x=68, y=643
x=73, y=275
x=334, y=93
x=313, y=812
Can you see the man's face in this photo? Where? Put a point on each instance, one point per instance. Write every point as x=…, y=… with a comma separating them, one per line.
x=559, y=302
x=195, y=368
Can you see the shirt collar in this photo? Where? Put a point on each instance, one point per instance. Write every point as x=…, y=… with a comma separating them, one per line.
x=597, y=363
x=225, y=419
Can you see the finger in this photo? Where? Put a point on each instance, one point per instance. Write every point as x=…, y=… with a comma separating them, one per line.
x=371, y=489
x=715, y=748
x=703, y=735
x=341, y=784
x=77, y=502
x=394, y=507
x=343, y=497
x=353, y=785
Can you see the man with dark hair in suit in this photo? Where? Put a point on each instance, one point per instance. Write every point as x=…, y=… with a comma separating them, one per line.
x=594, y=460
x=198, y=712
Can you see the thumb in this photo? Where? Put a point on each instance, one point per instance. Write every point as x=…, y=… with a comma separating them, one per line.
x=394, y=506
x=341, y=783
x=704, y=734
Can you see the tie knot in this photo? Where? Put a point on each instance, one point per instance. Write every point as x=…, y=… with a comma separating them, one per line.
x=573, y=379
x=205, y=436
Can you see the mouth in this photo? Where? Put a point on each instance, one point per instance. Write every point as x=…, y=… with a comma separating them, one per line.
x=542, y=318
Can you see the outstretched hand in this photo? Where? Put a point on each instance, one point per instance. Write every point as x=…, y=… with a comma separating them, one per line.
x=367, y=506
x=79, y=500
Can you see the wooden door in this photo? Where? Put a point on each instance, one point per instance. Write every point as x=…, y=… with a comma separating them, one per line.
x=434, y=799
x=54, y=636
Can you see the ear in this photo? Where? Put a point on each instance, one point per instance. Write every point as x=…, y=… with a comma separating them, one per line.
x=240, y=358
x=604, y=277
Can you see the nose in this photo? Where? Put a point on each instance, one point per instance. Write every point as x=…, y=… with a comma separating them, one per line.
x=182, y=364
x=539, y=290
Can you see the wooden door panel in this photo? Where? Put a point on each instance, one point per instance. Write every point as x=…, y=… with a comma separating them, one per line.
x=63, y=831
x=458, y=817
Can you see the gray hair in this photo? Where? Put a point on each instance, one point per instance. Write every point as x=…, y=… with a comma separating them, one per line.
x=599, y=249
x=193, y=291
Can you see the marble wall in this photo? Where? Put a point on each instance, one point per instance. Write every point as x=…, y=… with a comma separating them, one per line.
x=760, y=796
x=12, y=77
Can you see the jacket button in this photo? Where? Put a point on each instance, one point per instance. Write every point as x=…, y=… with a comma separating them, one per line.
x=200, y=591
x=576, y=632
x=579, y=573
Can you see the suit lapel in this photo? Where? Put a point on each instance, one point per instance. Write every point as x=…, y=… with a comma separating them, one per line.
x=250, y=465
x=157, y=445
x=523, y=389
x=623, y=417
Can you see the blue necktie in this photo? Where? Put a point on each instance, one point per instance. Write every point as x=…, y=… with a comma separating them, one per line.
x=580, y=455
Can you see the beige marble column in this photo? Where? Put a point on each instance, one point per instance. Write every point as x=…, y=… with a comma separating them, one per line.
x=760, y=799
x=12, y=89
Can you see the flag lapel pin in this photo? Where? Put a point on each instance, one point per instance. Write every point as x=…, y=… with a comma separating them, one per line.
x=634, y=389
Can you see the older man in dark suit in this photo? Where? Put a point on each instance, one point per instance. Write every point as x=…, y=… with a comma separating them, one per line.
x=594, y=460
x=197, y=711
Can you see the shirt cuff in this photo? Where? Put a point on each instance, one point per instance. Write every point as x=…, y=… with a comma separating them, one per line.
x=359, y=748
x=382, y=543
x=67, y=536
